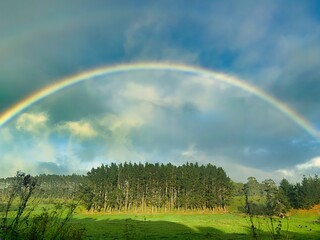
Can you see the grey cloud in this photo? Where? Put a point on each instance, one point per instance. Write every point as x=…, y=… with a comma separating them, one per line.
x=150, y=38
x=73, y=104
x=247, y=131
x=299, y=82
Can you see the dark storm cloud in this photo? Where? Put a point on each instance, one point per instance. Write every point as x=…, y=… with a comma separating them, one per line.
x=44, y=42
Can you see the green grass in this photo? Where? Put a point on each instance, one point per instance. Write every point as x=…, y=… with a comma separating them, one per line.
x=188, y=226
x=233, y=225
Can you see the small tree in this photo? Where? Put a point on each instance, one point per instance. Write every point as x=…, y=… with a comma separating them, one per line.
x=276, y=205
x=21, y=189
x=248, y=207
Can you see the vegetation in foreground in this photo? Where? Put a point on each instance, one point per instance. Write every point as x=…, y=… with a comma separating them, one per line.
x=21, y=221
x=182, y=201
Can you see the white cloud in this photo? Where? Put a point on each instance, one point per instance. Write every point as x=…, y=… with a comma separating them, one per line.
x=81, y=129
x=313, y=163
x=121, y=125
x=197, y=90
x=295, y=174
x=123, y=122
x=286, y=173
x=189, y=152
x=142, y=92
x=32, y=122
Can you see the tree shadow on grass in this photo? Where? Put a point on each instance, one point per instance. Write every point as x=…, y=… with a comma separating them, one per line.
x=135, y=229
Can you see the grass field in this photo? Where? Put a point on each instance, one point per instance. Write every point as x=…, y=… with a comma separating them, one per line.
x=192, y=226
x=301, y=224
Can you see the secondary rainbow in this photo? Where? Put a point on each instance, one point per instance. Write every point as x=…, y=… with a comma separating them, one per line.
x=160, y=66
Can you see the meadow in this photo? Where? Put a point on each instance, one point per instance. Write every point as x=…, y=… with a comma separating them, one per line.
x=299, y=225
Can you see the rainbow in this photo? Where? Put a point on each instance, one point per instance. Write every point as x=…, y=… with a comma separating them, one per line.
x=143, y=66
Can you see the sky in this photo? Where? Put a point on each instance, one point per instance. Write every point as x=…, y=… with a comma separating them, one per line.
x=150, y=115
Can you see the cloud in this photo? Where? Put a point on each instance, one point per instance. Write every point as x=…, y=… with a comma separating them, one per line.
x=140, y=92
x=32, y=122
x=313, y=163
x=286, y=173
x=189, y=152
x=146, y=118
x=171, y=90
x=295, y=173
x=238, y=171
x=123, y=123
x=148, y=38
x=78, y=129
x=10, y=164
x=5, y=135
x=51, y=168
x=23, y=151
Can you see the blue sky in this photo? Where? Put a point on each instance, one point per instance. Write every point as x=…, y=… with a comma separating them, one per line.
x=151, y=116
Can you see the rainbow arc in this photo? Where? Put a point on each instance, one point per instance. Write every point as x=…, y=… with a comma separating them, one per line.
x=35, y=97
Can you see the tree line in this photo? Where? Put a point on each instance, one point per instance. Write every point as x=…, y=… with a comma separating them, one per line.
x=166, y=187
x=155, y=187
x=301, y=195
x=140, y=187
x=271, y=201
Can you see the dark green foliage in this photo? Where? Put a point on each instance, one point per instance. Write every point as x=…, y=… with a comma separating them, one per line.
x=252, y=187
x=86, y=195
x=302, y=195
x=286, y=193
x=281, y=199
x=238, y=189
x=154, y=187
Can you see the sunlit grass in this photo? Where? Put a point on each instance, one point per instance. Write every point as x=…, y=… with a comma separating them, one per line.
x=191, y=226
